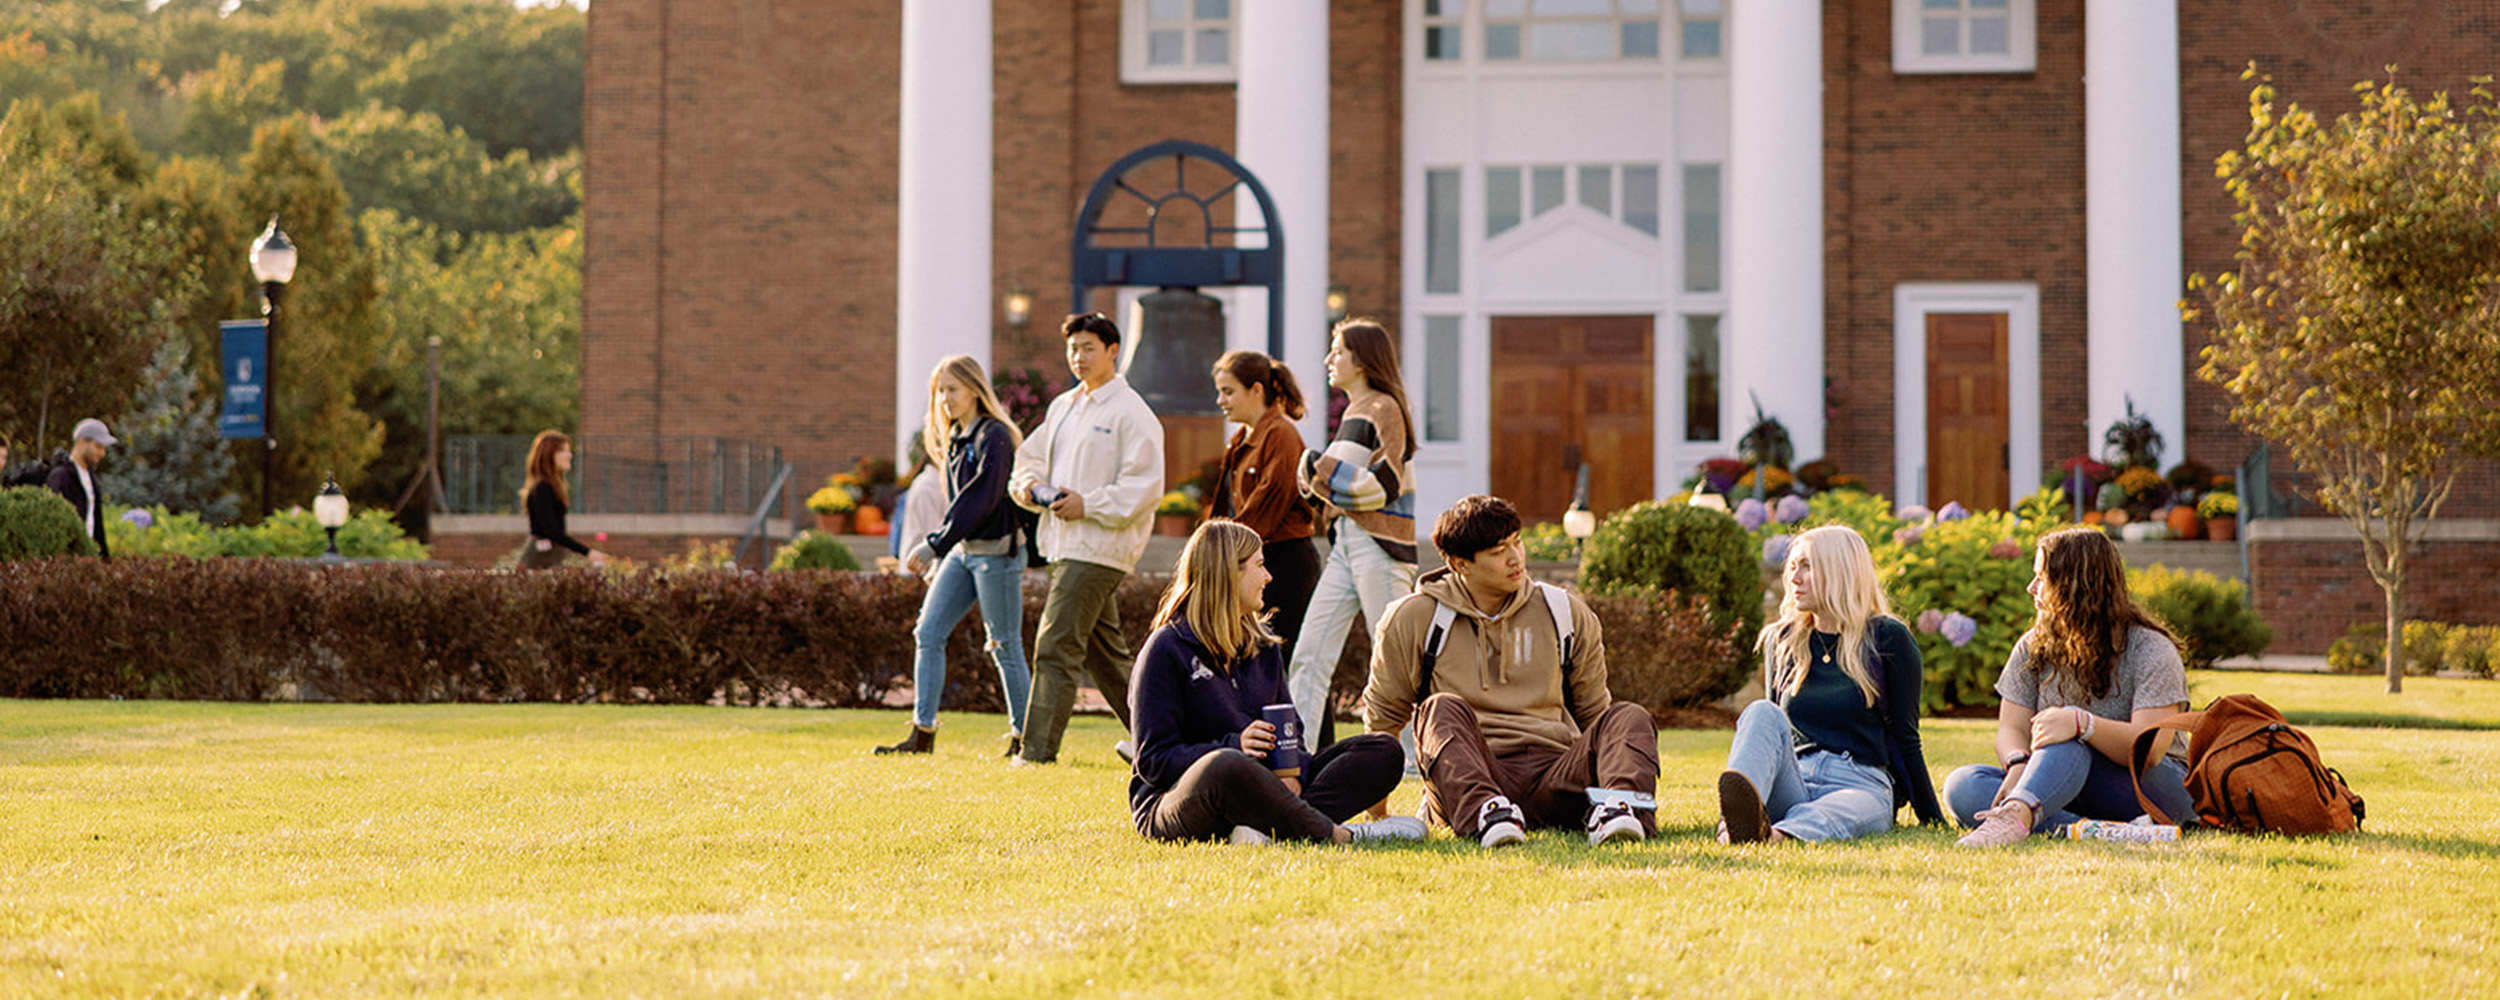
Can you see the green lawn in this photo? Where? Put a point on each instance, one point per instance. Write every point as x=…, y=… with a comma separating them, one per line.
x=317, y=851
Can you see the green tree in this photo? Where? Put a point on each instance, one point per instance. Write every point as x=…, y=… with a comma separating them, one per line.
x=171, y=455
x=414, y=165
x=2358, y=328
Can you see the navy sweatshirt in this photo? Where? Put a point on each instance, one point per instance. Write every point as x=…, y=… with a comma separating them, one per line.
x=1828, y=712
x=977, y=463
x=1183, y=705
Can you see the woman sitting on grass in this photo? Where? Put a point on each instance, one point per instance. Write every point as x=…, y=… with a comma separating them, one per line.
x=1202, y=748
x=2094, y=671
x=1834, y=751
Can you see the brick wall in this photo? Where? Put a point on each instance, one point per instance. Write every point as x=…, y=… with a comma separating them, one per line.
x=2312, y=587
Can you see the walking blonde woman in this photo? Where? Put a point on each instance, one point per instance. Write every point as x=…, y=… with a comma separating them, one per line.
x=1203, y=749
x=1834, y=751
x=547, y=499
x=973, y=550
x=1364, y=477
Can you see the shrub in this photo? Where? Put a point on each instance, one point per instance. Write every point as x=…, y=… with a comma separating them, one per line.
x=811, y=550
x=1654, y=547
x=1664, y=651
x=2210, y=614
x=2425, y=645
x=1548, y=542
x=287, y=534
x=2470, y=649
x=1961, y=567
x=35, y=523
x=2361, y=650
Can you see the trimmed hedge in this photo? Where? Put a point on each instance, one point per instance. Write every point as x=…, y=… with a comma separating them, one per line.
x=35, y=523
x=257, y=630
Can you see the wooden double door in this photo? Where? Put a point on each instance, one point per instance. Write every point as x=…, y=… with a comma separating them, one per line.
x=1567, y=390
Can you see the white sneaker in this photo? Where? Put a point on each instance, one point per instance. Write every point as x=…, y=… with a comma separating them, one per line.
x=1393, y=828
x=1498, y=823
x=1614, y=821
x=1247, y=836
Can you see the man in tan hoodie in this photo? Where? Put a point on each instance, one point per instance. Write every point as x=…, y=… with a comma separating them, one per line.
x=1512, y=716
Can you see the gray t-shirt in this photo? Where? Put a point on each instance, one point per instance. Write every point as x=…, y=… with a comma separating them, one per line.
x=2149, y=675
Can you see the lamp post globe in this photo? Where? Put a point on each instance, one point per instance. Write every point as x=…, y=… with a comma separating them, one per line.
x=330, y=508
x=273, y=265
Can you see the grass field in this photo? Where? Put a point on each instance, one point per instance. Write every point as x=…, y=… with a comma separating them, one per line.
x=320, y=851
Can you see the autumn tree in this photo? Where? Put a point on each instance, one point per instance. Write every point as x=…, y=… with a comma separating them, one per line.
x=2357, y=329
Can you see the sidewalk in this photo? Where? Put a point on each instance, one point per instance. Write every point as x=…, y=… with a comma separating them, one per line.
x=2282, y=663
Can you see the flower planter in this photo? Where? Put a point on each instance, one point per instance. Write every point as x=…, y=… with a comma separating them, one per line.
x=2223, y=529
x=2185, y=524
x=834, y=524
x=1174, y=525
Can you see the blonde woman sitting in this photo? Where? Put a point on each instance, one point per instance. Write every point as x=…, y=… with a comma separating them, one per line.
x=1834, y=752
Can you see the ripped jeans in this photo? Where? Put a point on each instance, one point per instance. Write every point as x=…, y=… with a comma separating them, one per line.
x=961, y=580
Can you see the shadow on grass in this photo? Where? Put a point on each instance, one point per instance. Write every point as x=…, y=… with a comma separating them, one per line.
x=2385, y=720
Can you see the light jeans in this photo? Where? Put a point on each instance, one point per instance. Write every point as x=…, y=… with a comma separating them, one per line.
x=2070, y=781
x=1358, y=576
x=996, y=583
x=1823, y=795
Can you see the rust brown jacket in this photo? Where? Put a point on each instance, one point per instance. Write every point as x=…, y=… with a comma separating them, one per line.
x=1259, y=487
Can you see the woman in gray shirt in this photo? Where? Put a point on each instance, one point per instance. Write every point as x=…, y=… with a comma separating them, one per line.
x=2093, y=672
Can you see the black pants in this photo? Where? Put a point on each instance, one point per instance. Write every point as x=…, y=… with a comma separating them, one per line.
x=1229, y=788
x=1294, y=568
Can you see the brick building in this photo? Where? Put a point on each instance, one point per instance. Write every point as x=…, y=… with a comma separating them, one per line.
x=1941, y=240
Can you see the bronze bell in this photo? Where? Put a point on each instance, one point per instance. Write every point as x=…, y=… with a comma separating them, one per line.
x=1179, y=334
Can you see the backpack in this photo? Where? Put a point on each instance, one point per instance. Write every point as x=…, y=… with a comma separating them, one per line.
x=1557, y=601
x=37, y=472
x=2249, y=770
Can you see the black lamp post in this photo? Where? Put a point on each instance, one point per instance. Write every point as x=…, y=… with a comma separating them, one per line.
x=273, y=265
x=330, y=508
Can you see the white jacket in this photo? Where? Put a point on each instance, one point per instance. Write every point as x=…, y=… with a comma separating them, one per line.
x=1117, y=468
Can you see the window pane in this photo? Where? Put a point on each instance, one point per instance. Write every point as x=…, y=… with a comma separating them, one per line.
x=1501, y=199
x=1597, y=189
x=1168, y=10
x=1575, y=8
x=1441, y=388
x=1572, y=40
x=1952, y=5
x=1441, y=42
x=1501, y=41
x=1987, y=4
x=1432, y=8
x=1215, y=46
x=1165, y=48
x=1639, y=8
x=1700, y=8
x=1640, y=199
x=1940, y=36
x=1505, y=8
x=1701, y=39
x=1215, y=10
x=1441, y=230
x=1640, y=39
x=1549, y=189
x=1701, y=378
x=1987, y=36
x=1701, y=227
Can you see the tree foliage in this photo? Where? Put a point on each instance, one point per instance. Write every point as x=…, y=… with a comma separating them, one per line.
x=2357, y=330
x=171, y=456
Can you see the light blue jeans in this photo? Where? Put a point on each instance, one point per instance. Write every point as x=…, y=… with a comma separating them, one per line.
x=1358, y=576
x=2070, y=781
x=1820, y=796
x=996, y=583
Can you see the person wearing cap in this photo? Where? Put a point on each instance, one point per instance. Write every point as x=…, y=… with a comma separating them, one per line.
x=75, y=482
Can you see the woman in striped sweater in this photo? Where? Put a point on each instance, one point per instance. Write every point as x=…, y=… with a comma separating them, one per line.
x=1362, y=476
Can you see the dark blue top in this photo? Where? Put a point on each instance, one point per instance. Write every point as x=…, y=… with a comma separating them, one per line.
x=978, y=460
x=1183, y=705
x=1828, y=712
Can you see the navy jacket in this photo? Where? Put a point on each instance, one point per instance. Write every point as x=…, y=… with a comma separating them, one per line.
x=1829, y=713
x=976, y=475
x=1182, y=706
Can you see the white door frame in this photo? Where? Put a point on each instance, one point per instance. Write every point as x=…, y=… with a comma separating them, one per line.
x=1912, y=303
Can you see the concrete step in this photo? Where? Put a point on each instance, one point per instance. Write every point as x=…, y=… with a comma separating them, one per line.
x=2221, y=559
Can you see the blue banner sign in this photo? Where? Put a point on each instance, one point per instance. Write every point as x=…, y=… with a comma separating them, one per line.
x=246, y=367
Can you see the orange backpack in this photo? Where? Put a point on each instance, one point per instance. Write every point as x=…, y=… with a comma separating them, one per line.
x=2250, y=771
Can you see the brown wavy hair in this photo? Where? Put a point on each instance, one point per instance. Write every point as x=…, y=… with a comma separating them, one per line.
x=2082, y=630
x=1376, y=353
x=542, y=467
x=1270, y=376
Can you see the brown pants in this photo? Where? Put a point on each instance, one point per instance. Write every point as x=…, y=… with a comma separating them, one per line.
x=1549, y=786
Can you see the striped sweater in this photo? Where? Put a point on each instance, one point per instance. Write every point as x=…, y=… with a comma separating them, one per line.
x=1364, y=476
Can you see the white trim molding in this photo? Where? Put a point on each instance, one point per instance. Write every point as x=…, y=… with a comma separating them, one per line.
x=2013, y=22
x=1911, y=305
x=1136, y=41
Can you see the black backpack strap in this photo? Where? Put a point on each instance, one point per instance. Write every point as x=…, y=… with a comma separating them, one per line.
x=1443, y=616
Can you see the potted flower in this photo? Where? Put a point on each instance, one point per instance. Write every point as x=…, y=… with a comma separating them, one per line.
x=1176, y=514
x=2222, y=515
x=834, y=506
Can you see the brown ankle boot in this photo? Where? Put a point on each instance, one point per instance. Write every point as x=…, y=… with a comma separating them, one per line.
x=918, y=741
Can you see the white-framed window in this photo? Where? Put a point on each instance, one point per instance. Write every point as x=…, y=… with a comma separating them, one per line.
x=1626, y=193
x=1178, y=41
x=1965, y=36
x=1442, y=390
x=1569, y=30
x=1445, y=30
x=1704, y=29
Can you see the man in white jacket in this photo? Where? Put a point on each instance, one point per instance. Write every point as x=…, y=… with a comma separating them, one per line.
x=1094, y=471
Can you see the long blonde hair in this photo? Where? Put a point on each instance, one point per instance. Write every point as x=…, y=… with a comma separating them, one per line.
x=937, y=433
x=1844, y=574
x=1206, y=590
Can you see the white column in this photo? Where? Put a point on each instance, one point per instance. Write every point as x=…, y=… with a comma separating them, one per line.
x=1773, y=223
x=943, y=299
x=2132, y=256
x=1280, y=133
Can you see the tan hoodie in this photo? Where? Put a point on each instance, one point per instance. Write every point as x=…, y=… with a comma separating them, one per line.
x=1507, y=665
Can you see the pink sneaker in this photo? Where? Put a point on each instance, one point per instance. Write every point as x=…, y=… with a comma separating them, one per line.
x=2006, y=824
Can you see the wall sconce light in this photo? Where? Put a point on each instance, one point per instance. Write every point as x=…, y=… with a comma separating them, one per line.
x=1336, y=304
x=1019, y=307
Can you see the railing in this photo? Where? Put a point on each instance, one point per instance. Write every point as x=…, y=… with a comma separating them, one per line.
x=482, y=474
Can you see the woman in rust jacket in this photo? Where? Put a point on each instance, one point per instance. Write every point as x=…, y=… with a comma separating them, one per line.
x=1259, y=488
